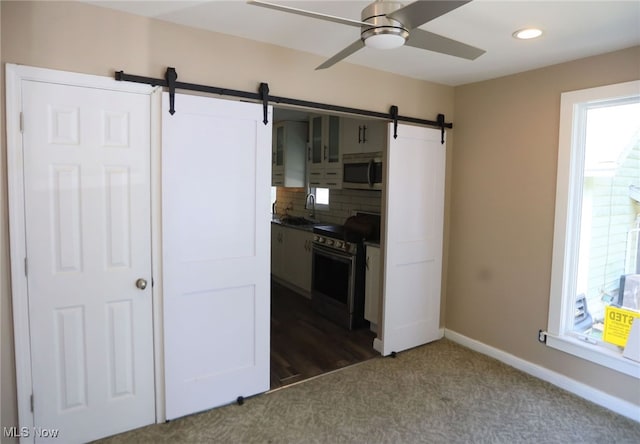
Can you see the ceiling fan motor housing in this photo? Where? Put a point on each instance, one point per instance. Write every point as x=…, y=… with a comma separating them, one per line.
x=376, y=14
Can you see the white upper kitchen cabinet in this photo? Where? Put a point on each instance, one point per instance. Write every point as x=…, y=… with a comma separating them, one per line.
x=325, y=163
x=288, y=154
x=362, y=136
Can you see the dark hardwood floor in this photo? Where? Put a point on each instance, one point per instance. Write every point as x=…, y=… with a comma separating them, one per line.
x=305, y=344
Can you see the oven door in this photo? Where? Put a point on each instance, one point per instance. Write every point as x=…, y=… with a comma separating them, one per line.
x=332, y=284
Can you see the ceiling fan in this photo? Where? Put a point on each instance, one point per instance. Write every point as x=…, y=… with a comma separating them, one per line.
x=388, y=24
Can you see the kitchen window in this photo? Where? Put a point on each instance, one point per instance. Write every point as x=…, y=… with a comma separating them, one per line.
x=322, y=196
x=596, y=249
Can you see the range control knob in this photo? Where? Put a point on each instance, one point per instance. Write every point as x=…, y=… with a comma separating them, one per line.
x=340, y=244
x=330, y=242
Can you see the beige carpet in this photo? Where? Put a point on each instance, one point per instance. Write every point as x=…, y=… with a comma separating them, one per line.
x=437, y=393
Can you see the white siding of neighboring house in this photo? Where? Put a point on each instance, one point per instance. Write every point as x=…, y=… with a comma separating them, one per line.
x=613, y=214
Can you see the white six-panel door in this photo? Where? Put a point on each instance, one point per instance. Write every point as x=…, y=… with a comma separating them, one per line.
x=414, y=203
x=87, y=211
x=216, y=176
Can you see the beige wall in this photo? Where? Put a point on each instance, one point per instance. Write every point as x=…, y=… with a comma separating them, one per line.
x=502, y=210
x=84, y=38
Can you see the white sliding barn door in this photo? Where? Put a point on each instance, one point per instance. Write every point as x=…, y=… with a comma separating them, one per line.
x=87, y=215
x=413, y=238
x=216, y=178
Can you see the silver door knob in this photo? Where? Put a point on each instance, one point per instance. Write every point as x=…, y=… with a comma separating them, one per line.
x=141, y=283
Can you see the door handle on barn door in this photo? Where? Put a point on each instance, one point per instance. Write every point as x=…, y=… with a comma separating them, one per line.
x=141, y=283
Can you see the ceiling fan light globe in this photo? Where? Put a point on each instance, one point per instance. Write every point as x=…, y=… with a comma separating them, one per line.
x=384, y=41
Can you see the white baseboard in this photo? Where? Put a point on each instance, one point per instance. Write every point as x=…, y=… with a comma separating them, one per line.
x=620, y=406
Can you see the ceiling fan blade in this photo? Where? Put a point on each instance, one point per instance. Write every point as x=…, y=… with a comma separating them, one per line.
x=317, y=15
x=418, y=13
x=346, y=52
x=422, y=39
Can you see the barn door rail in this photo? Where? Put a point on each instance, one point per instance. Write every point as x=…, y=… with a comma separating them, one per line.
x=262, y=96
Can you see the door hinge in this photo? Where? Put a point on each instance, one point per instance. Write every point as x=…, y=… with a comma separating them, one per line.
x=21, y=122
x=26, y=270
x=31, y=401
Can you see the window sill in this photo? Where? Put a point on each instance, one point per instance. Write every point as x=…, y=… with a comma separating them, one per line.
x=595, y=353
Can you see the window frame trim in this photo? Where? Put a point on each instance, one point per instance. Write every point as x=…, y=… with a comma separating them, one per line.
x=568, y=206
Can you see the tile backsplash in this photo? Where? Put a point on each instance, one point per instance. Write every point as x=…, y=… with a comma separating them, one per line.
x=342, y=203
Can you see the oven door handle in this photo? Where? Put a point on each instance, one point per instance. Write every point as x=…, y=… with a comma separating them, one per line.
x=332, y=252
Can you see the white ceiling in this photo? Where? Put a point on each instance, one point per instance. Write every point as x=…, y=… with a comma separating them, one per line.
x=572, y=30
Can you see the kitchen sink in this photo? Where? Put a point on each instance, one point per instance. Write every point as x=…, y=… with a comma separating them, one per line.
x=296, y=220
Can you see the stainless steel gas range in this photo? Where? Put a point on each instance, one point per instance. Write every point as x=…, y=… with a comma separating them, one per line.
x=338, y=268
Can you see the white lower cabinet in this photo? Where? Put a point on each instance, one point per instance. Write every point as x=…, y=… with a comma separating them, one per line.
x=372, y=288
x=291, y=257
x=277, y=249
x=298, y=258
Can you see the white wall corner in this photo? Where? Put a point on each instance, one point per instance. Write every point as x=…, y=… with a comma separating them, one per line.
x=620, y=406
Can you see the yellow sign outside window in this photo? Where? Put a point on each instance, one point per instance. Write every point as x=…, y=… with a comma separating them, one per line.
x=617, y=325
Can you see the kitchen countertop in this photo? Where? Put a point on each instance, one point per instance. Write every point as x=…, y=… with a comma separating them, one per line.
x=310, y=226
x=306, y=227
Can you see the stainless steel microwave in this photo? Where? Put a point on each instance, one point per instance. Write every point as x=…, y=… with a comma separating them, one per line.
x=362, y=171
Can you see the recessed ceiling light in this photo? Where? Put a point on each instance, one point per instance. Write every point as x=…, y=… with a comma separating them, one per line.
x=527, y=33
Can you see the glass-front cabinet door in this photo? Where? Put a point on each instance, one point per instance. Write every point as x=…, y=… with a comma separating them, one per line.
x=333, y=140
x=316, y=140
x=325, y=169
x=325, y=140
x=279, y=157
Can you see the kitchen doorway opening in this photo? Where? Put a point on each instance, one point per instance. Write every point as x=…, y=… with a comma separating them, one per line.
x=311, y=338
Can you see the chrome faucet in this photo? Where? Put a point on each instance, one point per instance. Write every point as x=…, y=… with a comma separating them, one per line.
x=311, y=197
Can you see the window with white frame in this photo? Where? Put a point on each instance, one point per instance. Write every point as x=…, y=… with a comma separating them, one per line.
x=596, y=250
x=322, y=196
